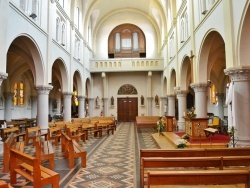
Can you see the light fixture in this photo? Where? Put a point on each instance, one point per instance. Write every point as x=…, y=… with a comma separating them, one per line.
x=33, y=15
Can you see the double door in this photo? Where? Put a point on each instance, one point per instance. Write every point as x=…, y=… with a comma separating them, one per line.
x=127, y=109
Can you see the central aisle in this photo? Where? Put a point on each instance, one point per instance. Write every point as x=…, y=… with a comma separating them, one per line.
x=113, y=164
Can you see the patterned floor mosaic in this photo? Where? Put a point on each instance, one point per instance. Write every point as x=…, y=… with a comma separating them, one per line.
x=112, y=161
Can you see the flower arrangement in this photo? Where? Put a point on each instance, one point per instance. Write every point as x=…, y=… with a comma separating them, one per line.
x=160, y=125
x=190, y=113
x=185, y=136
x=182, y=143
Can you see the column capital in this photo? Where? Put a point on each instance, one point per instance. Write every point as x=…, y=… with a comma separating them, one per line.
x=238, y=73
x=170, y=96
x=199, y=87
x=68, y=94
x=3, y=76
x=81, y=98
x=162, y=98
x=181, y=93
x=43, y=89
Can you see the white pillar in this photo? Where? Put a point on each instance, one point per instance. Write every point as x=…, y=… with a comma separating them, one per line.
x=43, y=105
x=182, y=107
x=149, y=94
x=8, y=105
x=164, y=106
x=220, y=104
x=33, y=106
x=105, y=107
x=81, y=105
x=91, y=106
x=171, y=105
x=200, y=90
x=240, y=78
x=67, y=98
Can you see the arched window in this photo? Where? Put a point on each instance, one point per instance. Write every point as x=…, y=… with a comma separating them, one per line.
x=135, y=42
x=77, y=17
x=117, y=42
x=186, y=26
x=58, y=23
x=79, y=50
x=214, y=97
x=126, y=41
x=182, y=31
x=18, y=98
x=75, y=98
x=63, y=34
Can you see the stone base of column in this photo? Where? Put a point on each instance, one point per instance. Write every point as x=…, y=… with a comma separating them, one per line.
x=242, y=143
x=181, y=126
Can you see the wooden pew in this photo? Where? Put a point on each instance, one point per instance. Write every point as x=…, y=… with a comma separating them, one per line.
x=206, y=177
x=32, y=133
x=74, y=131
x=3, y=184
x=45, y=151
x=7, y=131
x=164, y=163
x=31, y=170
x=8, y=144
x=73, y=150
x=54, y=133
x=148, y=121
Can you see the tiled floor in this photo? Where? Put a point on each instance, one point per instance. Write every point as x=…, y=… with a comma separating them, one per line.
x=112, y=161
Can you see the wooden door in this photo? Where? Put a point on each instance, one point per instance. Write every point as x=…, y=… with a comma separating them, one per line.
x=127, y=109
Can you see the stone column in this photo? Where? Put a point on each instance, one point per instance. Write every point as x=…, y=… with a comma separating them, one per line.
x=200, y=90
x=67, y=98
x=182, y=107
x=91, y=106
x=33, y=106
x=149, y=105
x=149, y=94
x=105, y=107
x=8, y=96
x=164, y=106
x=171, y=105
x=240, y=78
x=220, y=105
x=81, y=105
x=43, y=105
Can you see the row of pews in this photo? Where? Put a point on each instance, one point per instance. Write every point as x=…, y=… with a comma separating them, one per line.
x=67, y=134
x=201, y=166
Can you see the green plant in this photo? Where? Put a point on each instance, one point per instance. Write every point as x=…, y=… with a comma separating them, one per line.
x=185, y=136
x=233, y=138
x=160, y=125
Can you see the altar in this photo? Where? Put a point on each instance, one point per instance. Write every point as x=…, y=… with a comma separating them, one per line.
x=195, y=127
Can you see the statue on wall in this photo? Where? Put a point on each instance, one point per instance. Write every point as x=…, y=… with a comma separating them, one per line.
x=142, y=100
x=97, y=101
x=156, y=100
x=112, y=101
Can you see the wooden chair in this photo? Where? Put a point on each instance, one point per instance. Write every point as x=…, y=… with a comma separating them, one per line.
x=215, y=123
x=32, y=133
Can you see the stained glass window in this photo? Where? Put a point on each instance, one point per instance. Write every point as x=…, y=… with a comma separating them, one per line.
x=18, y=98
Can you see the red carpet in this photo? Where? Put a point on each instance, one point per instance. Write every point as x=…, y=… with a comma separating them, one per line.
x=216, y=138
